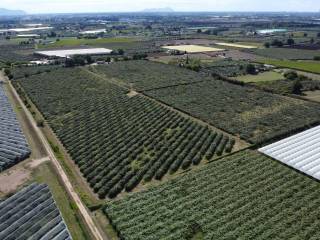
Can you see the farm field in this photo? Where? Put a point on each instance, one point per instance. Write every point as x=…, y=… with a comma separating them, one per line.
x=72, y=42
x=174, y=58
x=240, y=55
x=21, y=71
x=118, y=140
x=286, y=53
x=193, y=48
x=235, y=45
x=255, y=115
x=244, y=196
x=16, y=53
x=147, y=75
x=286, y=86
x=312, y=76
x=32, y=214
x=308, y=66
x=261, y=77
x=228, y=68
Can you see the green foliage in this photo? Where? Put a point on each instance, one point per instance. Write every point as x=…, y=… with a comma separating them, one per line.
x=117, y=140
x=120, y=51
x=244, y=196
x=251, y=69
x=287, y=86
x=23, y=71
x=227, y=68
x=286, y=53
x=297, y=87
x=255, y=115
x=277, y=43
x=267, y=45
x=290, y=42
x=308, y=66
x=144, y=75
x=291, y=75
x=7, y=71
x=16, y=53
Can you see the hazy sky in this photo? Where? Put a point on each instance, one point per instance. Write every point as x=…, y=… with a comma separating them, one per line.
x=61, y=6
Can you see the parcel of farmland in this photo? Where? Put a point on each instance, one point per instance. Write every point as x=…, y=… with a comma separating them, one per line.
x=243, y=196
x=235, y=45
x=253, y=114
x=118, y=139
x=286, y=53
x=192, y=48
x=147, y=75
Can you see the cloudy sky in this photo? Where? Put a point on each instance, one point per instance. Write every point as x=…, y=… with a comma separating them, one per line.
x=62, y=6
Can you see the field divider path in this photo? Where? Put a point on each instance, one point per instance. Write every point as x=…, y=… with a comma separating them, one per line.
x=72, y=193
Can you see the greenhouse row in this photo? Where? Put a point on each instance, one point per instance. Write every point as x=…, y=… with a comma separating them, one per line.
x=13, y=145
x=32, y=214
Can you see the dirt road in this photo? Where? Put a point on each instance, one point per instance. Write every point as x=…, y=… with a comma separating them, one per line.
x=82, y=209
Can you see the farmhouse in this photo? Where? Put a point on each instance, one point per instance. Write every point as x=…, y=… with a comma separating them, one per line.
x=73, y=52
x=301, y=151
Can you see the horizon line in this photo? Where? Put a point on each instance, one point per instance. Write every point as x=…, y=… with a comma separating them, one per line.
x=171, y=12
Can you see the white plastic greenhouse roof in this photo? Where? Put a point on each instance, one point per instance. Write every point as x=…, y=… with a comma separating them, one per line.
x=301, y=151
x=72, y=52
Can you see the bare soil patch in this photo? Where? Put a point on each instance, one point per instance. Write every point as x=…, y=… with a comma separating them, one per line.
x=12, y=179
x=313, y=95
x=132, y=94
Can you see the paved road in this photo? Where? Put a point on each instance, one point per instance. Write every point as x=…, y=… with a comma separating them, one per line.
x=82, y=209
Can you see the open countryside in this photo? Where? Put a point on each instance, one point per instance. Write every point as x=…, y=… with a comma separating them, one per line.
x=138, y=121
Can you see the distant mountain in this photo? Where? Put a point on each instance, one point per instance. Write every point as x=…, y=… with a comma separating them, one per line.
x=158, y=10
x=7, y=12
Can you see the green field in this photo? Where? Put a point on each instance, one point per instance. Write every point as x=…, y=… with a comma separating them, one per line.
x=244, y=196
x=227, y=68
x=72, y=42
x=255, y=115
x=147, y=75
x=261, y=77
x=286, y=53
x=26, y=71
x=119, y=140
x=308, y=66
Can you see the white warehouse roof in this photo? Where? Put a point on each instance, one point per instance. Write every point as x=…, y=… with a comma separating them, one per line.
x=25, y=29
x=72, y=52
x=301, y=151
x=93, y=31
